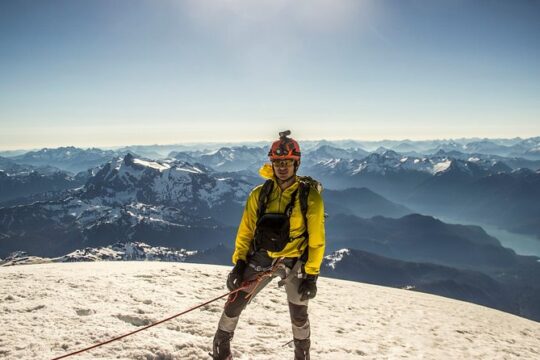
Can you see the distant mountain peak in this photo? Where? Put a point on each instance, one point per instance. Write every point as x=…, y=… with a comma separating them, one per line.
x=128, y=159
x=334, y=258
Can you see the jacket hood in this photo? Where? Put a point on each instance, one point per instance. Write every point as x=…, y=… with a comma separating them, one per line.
x=266, y=171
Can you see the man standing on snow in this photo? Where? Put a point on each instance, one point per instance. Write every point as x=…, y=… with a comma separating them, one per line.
x=282, y=224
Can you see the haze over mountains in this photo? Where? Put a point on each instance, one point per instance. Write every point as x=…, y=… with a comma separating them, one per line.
x=384, y=202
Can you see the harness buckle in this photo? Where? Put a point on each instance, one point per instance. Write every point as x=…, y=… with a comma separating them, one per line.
x=259, y=268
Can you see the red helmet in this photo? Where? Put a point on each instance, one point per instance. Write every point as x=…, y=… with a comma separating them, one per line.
x=284, y=148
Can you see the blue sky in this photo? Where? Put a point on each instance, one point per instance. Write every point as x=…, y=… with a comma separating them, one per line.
x=104, y=73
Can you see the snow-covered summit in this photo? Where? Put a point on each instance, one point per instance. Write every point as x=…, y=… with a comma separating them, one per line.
x=86, y=303
x=129, y=251
x=335, y=257
x=164, y=182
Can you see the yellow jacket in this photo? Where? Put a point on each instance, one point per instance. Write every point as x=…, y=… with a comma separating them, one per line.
x=277, y=202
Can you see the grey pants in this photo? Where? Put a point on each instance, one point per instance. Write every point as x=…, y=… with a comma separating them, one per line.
x=290, y=272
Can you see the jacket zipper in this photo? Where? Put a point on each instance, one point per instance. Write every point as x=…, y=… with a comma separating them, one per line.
x=279, y=200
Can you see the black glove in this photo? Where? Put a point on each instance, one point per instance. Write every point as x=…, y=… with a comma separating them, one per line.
x=308, y=287
x=234, y=280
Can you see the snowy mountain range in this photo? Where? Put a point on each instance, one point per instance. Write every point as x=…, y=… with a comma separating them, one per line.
x=356, y=160
x=66, y=158
x=194, y=201
x=525, y=148
x=325, y=155
x=162, y=202
x=392, y=162
x=468, y=188
x=70, y=156
x=130, y=199
x=514, y=163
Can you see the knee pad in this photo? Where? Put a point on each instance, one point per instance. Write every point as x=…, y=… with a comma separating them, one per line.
x=299, y=314
x=234, y=308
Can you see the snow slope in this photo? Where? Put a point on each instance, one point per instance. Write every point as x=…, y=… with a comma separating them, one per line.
x=50, y=309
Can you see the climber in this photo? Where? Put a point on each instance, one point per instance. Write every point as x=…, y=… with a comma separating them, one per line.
x=282, y=228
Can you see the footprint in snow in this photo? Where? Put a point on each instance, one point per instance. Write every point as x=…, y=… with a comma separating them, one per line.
x=84, y=312
x=133, y=320
x=39, y=307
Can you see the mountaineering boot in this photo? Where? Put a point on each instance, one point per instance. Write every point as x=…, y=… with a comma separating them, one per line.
x=221, y=349
x=301, y=349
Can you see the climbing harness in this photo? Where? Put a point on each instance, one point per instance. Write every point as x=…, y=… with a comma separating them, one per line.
x=253, y=284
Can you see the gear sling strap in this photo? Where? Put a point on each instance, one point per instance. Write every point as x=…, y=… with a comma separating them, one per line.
x=272, y=229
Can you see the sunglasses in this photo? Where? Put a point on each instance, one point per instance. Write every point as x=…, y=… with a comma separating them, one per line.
x=283, y=163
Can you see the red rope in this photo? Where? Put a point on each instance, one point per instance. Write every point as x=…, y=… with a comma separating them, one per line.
x=244, y=286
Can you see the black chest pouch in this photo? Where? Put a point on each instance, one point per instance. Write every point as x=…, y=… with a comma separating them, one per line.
x=272, y=232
